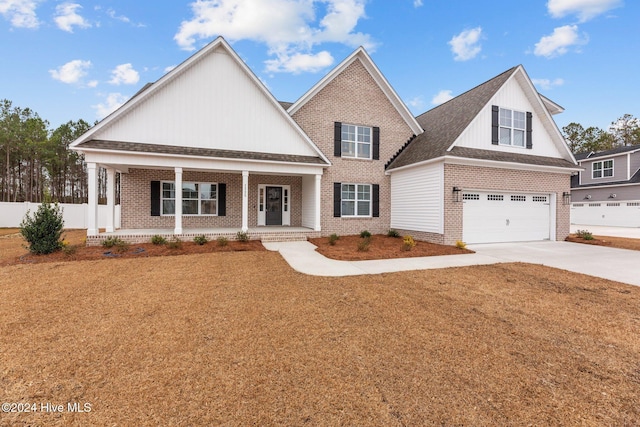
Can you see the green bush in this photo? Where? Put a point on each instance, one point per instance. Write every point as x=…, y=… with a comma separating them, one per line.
x=365, y=234
x=112, y=241
x=363, y=245
x=242, y=236
x=174, y=243
x=43, y=231
x=333, y=239
x=158, y=240
x=200, y=240
x=222, y=241
x=393, y=233
x=584, y=234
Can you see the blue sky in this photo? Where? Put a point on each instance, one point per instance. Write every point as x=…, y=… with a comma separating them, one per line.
x=81, y=59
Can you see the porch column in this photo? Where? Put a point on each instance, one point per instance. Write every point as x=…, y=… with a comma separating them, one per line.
x=178, y=212
x=245, y=201
x=318, y=198
x=111, y=199
x=92, y=200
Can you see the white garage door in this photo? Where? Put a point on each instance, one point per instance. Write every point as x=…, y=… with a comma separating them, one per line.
x=616, y=214
x=490, y=217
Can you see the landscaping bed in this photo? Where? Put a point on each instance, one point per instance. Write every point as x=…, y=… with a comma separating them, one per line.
x=614, y=242
x=380, y=247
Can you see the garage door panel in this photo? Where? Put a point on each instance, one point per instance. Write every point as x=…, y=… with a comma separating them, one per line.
x=490, y=217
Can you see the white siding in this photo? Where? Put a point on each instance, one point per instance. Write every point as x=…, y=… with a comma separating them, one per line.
x=308, y=201
x=416, y=198
x=212, y=104
x=512, y=96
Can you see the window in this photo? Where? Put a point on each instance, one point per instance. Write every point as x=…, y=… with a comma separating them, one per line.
x=518, y=198
x=356, y=141
x=512, y=127
x=356, y=200
x=469, y=196
x=197, y=198
x=495, y=197
x=542, y=199
x=633, y=203
x=602, y=169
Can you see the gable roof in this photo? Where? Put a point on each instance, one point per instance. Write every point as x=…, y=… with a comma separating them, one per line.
x=618, y=150
x=361, y=55
x=444, y=124
x=151, y=89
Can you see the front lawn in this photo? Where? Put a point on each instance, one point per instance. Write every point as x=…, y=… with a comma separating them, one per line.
x=242, y=339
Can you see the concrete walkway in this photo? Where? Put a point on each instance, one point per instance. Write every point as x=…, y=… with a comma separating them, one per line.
x=609, y=263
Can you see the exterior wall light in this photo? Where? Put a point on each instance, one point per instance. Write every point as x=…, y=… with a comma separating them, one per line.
x=566, y=198
x=456, y=194
x=613, y=195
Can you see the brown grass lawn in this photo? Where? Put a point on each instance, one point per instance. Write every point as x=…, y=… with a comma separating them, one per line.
x=242, y=339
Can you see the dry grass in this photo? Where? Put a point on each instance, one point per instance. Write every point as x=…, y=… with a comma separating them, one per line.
x=380, y=247
x=241, y=339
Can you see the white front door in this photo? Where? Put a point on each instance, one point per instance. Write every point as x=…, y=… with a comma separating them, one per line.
x=493, y=216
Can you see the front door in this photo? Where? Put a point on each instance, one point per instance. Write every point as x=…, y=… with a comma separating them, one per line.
x=274, y=206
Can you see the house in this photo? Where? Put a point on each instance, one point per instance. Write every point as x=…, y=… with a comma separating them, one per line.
x=207, y=149
x=607, y=190
x=490, y=166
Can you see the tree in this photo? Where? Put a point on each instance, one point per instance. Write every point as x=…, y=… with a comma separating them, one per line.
x=626, y=130
x=581, y=140
x=43, y=231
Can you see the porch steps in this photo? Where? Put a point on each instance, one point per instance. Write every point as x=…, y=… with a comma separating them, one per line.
x=288, y=237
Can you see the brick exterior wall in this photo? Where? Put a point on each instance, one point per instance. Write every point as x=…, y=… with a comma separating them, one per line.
x=483, y=178
x=353, y=97
x=135, y=188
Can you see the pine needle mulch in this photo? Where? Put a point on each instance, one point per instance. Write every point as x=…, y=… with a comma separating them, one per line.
x=241, y=339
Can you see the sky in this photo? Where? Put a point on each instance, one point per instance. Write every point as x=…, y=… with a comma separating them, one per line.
x=81, y=59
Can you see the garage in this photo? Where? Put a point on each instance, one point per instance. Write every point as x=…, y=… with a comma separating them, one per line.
x=613, y=214
x=491, y=217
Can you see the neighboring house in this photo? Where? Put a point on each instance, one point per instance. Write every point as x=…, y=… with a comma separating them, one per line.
x=491, y=166
x=607, y=190
x=207, y=149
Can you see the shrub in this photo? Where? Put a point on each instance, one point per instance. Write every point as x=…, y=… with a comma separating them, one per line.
x=174, y=243
x=122, y=246
x=112, y=241
x=200, y=240
x=461, y=245
x=584, y=234
x=68, y=249
x=158, y=240
x=408, y=243
x=44, y=229
x=365, y=234
x=222, y=241
x=363, y=245
x=242, y=236
x=333, y=239
x=393, y=233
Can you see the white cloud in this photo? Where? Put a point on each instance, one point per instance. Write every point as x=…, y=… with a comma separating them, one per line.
x=169, y=68
x=465, y=46
x=289, y=28
x=72, y=72
x=124, y=74
x=416, y=102
x=92, y=83
x=299, y=62
x=547, y=84
x=441, y=97
x=112, y=102
x=584, y=9
x=67, y=17
x=122, y=18
x=417, y=3
x=559, y=42
x=21, y=13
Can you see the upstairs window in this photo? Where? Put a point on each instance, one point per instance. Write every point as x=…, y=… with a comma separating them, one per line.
x=602, y=169
x=512, y=127
x=356, y=141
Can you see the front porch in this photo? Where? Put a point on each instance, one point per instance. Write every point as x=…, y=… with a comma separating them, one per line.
x=264, y=234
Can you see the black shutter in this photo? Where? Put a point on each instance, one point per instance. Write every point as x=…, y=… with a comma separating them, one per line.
x=155, y=198
x=337, y=199
x=337, y=139
x=222, y=199
x=376, y=200
x=495, y=111
x=376, y=143
x=529, y=125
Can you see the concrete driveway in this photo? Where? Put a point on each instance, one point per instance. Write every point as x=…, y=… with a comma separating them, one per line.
x=609, y=263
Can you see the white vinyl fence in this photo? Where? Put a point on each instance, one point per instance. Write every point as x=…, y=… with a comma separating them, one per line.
x=75, y=216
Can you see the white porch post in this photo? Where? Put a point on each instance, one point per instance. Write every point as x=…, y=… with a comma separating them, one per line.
x=178, y=212
x=245, y=201
x=111, y=199
x=92, y=200
x=318, y=198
